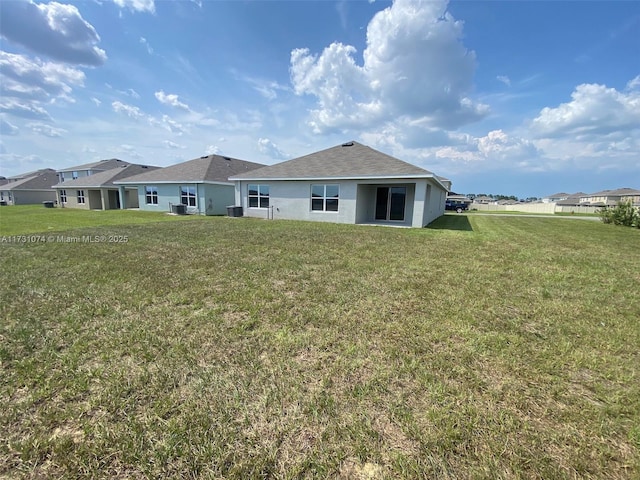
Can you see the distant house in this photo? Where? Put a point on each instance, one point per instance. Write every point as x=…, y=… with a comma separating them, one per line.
x=98, y=192
x=348, y=183
x=201, y=184
x=572, y=200
x=483, y=200
x=29, y=188
x=612, y=197
x=87, y=169
x=458, y=198
x=556, y=197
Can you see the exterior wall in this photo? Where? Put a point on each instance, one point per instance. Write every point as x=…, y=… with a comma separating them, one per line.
x=291, y=200
x=68, y=174
x=436, y=197
x=131, y=198
x=216, y=198
x=210, y=199
x=72, y=198
x=94, y=199
x=635, y=199
x=28, y=197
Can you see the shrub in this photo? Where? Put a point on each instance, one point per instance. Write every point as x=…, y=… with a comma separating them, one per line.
x=622, y=214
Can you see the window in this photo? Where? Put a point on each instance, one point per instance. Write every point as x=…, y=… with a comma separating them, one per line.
x=74, y=175
x=80, y=197
x=188, y=196
x=259, y=196
x=151, y=195
x=63, y=196
x=324, y=198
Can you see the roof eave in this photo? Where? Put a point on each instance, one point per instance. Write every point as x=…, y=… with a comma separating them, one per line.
x=169, y=182
x=355, y=177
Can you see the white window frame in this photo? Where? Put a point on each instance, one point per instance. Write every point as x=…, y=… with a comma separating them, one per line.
x=63, y=196
x=80, y=196
x=151, y=195
x=261, y=197
x=74, y=174
x=188, y=195
x=324, y=198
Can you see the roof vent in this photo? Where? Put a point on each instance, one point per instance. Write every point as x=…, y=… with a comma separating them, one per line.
x=227, y=158
x=206, y=156
x=348, y=144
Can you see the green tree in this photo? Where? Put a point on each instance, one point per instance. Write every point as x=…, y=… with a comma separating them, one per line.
x=624, y=213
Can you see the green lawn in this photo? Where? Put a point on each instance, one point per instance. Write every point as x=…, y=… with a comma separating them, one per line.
x=211, y=347
x=22, y=220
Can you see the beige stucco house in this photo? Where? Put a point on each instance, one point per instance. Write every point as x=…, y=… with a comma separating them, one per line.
x=98, y=191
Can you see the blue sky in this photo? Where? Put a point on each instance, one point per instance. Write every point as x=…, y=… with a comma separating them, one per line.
x=518, y=98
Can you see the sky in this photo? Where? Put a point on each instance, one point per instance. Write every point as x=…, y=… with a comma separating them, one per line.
x=502, y=97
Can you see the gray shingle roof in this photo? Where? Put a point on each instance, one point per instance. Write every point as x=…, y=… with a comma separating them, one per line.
x=349, y=160
x=213, y=168
x=106, y=178
x=617, y=192
x=41, y=180
x=99, y=165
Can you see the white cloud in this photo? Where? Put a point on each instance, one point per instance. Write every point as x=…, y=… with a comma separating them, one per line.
x=270, y=149
x=213, y=150
x=7, y=128
x=171, y=99
x=634, y=83
x=129, y=150
x=53, y=29
x=46, y=130
x=504, y=79
x=414, y=65
x=137, y=5
x=267, y=88
x=172, y=125
x=36, y=80
x=96, y=101
x=172, y=145
x=24, y=110
x=128, y=110
x=146, y=44
x=595, y=111
x=131, y=93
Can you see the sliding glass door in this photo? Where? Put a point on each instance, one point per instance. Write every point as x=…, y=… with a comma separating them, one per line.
x=390, y=203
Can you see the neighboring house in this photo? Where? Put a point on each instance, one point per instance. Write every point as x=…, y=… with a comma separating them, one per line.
x=31, y=188
x=202, y=185
x=458, y=198
x=98, y=192
x=483, y=200
x=572, y=200
x=612, y=197
x=348, y=183
x=79, y=171
x=556, y=197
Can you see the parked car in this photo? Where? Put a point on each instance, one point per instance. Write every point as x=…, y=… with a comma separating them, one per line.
x=455, y=205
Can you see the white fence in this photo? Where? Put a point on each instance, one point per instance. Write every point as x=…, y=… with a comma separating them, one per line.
x=548, y=208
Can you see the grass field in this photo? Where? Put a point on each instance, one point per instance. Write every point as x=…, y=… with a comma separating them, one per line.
x=484, y=347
